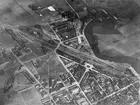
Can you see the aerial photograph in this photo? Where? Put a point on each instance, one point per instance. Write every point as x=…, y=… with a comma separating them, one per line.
x=69, y=52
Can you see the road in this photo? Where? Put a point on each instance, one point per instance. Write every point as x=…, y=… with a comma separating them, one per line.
x=67, y=1
x=92, y=39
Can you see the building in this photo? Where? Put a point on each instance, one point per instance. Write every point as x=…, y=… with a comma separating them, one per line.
x=29, y=77
x=9, y=84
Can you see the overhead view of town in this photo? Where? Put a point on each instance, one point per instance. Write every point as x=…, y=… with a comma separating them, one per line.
x=69, y=52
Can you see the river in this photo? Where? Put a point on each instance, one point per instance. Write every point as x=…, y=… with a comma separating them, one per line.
x=93, y=41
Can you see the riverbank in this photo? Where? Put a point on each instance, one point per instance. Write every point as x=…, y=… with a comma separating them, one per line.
x=93, y=41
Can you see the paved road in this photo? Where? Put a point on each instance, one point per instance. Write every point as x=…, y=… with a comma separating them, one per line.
x=17, y=12
x=135, y=63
